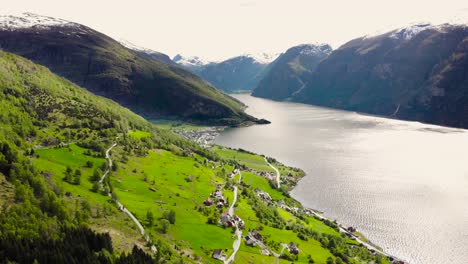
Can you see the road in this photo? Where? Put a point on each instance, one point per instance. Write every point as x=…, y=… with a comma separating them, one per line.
x=121, y=206
x=278, y=175
x=237, y=242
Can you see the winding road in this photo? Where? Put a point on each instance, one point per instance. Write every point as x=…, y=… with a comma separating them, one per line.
x=121, y=206
x=237, y=242
x=278, y=175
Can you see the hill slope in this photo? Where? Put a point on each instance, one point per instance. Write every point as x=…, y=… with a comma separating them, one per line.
x=54, y=143
x=288, y=73
x=105, y=67
x=415, y=73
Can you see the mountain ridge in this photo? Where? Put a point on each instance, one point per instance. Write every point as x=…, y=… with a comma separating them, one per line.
x=101, y=64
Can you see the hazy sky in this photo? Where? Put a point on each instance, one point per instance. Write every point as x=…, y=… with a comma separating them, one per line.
x=216, y=29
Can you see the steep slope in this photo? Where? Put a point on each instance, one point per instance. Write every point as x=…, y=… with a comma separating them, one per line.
x=241, y=73
x=288, y=73
x=105, y=67
x=148, y=53
x=55, y=139
x=415, y=73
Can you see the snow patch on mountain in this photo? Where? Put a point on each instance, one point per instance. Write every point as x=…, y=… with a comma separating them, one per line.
x=130, y=45
x=262, y=57
x=411, y=31
x=30, y=20
x=315, y=48
x=190, y=61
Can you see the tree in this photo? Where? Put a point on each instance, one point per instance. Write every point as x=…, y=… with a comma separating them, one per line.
x=89, y=164
x=77, y=177
x=170, y=216
x=68, y=174
x=330, y=261
x=164, y=225
x=150, y=218
x=96, y=175
x=95, y=187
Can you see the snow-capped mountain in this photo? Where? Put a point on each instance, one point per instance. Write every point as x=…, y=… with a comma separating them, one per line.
x=190, y=61
x=33, y=22
x=145, y=52
x=262, y=57
x=101, y=64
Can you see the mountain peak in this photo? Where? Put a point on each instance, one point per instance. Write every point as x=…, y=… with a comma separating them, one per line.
x=30, y=20
x=315, y=48
x=190, y=61
x=263, y=57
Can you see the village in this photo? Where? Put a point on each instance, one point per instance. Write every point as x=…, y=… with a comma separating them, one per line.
x=254, y=238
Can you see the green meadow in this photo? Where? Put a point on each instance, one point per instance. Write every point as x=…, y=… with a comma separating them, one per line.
x=252, y=161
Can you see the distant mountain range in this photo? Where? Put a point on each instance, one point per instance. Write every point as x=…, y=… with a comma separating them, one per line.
x=145, y=81
x=288, y=74
x=241, y=73
x=416, y=73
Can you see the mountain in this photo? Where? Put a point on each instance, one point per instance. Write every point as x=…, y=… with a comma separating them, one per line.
x=417, y=73
x=102, y=65
x=148, y=53
x=241, y=73
x=85, y=180
x=289, y=72
x=194, y=63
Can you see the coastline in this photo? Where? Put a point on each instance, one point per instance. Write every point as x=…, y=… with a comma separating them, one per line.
x=206, y=137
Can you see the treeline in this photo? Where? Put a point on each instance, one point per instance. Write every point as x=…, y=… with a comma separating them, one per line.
x=78, y=245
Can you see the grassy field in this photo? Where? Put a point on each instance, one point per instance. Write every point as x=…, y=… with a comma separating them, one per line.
x=261, y=183
x=176, y=125
x=180, y=184
x=54, y=161
x=138, y=134
x=161, y=182
x=252, y=161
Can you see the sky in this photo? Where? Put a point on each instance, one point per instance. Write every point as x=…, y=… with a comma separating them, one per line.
x=219, y=29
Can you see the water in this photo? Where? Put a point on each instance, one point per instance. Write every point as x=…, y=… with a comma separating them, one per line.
x=403, y=184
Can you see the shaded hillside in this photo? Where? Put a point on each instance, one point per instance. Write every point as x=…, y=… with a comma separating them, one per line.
x=105, y=67
x=288, y=73
x=415, y=73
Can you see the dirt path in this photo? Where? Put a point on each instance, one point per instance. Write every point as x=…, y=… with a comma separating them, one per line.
x=278, y=175
x=121, y=206
x=237, y=242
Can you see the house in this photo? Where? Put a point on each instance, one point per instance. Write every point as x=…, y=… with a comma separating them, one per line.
x=218, y=254
x=249, y=241
x=226, y=220
x=351, y=229
x=152, y=189
x=256, y=235
x=208, y=202
x=293, y=249
x=220, y=205
x=265, y=252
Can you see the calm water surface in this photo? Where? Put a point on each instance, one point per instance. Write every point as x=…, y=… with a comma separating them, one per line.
x=403, y=184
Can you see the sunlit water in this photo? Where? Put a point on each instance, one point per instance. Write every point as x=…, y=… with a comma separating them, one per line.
x=403, y=184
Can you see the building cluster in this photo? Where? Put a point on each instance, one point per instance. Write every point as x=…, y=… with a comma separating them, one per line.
x=217, y=198
x=264, y=196
x=231, y=221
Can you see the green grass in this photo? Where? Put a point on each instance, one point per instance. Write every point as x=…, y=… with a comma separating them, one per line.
x=55, y=161
x=138, y=134
x=252, y=161
x=261, y=183
x=310, y=247
x=173, y=192
x=176, y=125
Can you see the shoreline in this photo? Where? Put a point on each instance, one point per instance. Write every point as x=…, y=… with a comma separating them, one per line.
x=206, y=138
